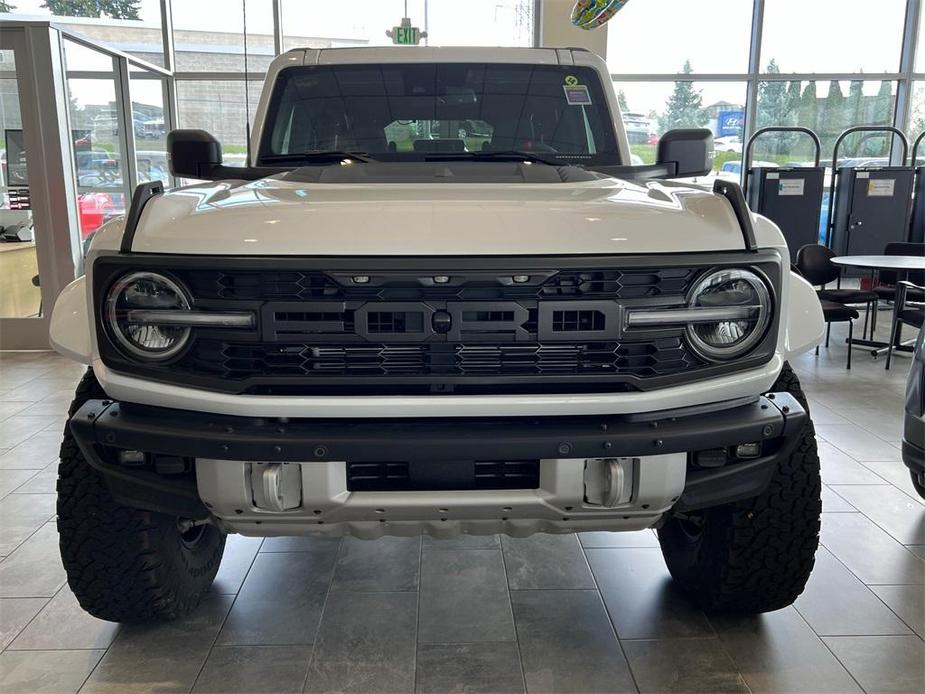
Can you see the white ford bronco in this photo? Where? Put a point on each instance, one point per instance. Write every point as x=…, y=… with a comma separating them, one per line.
x=438, y=299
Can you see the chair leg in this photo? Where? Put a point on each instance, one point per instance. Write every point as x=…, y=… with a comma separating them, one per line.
x=894, y=334
x=850, y=338
x=866, y=320
x=828, y=330
x=873, y=319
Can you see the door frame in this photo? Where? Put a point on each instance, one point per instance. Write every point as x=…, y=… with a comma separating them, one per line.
x=43, y=108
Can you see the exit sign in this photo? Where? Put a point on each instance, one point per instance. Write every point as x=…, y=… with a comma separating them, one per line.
x=406, y=36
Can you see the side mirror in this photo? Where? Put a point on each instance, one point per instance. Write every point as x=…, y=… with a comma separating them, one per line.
x=193, y=154
x=690, y=151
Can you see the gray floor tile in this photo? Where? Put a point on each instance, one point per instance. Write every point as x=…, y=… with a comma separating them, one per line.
x=21, y=515
x=43, y=482
x=641, y=538
x=463, y=542
x=470, y=668
x=281, y=600
x=908, y=602
x=254, y=670
x=464, y=597
x=388, y=564
x=300, y=544
x=15, y=614
x=55, y=403
x=34, y=453
x=896, y=474
x=824, y=415
x=545, y=562
x=8, y=409
x=640, y=597
x=778, y=652
x=567, y=643
x=832, y=587
x=885, y=425
x=34, y=570
x=11, y=479
x=883, y=663
x=917, y=550
x=840, y=468
x=683, y=665
x=160, y=657
x=891, y=509
x=45, y=672
x=366, y=644
x=833, y=503
x=859, y=443
x=63, y=625
x=239, y=554
x=16, y=429
x=19, y=390
x=869, y=552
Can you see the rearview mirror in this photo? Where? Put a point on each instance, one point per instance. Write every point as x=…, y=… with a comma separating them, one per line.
x=193, y=154
x=690, y=151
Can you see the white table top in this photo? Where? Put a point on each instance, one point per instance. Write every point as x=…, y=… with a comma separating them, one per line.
x=883, y=262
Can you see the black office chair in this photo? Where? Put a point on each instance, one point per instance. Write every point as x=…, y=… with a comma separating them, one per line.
x=833, y=312
x=904, y=313
x=814, y=262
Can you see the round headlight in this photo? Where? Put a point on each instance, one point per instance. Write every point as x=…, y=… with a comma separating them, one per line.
x=128, y=304
x=744, y=297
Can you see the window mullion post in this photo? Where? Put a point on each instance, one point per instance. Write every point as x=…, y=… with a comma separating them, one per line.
x=754, y=69
x=277, y=26
x=170, y=58
x=903, y=112
x=126, y=122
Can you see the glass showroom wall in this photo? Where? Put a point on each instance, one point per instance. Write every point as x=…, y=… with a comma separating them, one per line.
x=826, y=65
x=205, y=46
x=729, y=65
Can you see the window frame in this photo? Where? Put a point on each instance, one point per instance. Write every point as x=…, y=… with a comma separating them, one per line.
x=905, y=76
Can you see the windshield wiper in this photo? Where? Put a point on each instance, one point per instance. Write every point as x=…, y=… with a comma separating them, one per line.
x=499, y=155
x=319, y=156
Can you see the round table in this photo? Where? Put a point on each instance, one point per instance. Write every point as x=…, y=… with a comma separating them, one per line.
x=894, y=263
x=897, y=263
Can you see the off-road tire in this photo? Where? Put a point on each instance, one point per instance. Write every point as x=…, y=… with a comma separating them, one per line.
x=755, y=555
x=125, y=564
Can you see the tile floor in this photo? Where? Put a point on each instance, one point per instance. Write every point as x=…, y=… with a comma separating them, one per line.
x=544, y=614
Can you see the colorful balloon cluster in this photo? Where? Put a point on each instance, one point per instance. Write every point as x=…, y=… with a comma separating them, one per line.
x=590, y=14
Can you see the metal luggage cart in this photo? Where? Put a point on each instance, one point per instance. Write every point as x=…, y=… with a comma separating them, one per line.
x=869, y=206
x=790, y=196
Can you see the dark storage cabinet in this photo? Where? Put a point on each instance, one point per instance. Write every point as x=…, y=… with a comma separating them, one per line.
x=872, y=209
x=792, y=199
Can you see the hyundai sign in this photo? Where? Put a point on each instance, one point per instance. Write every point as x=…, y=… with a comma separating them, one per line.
x=730, y=123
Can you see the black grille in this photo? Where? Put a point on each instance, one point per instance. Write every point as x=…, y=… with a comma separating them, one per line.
x=248, y=285
x=401, y=331
x=453, y=475
x=408, y=326
x=238, y=360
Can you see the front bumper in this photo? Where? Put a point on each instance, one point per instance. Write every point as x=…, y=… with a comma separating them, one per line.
x=657, y=444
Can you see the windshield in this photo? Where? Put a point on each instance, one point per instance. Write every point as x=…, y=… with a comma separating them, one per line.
x=428, y=111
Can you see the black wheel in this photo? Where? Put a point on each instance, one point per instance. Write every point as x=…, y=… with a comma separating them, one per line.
x=124, y=564
x=918, y=481
x=755, y=555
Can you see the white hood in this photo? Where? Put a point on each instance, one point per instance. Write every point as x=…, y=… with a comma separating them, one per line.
x=278, y=217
